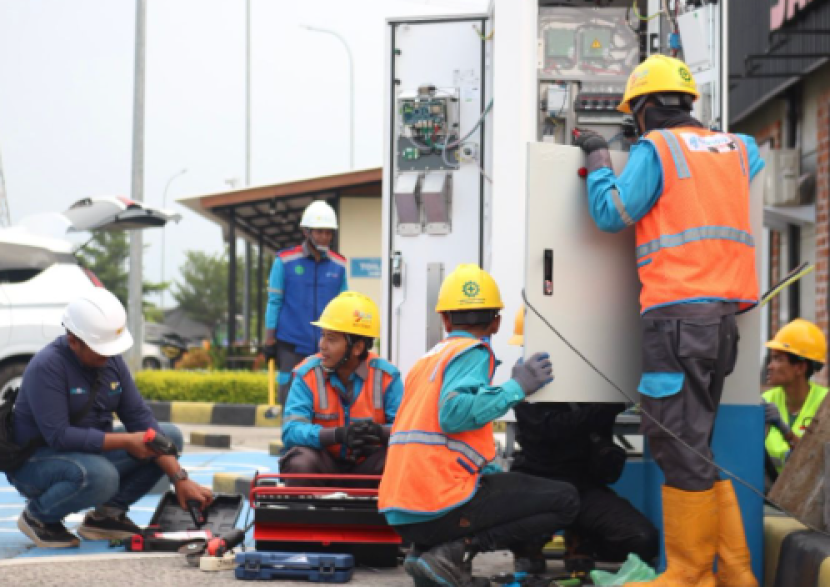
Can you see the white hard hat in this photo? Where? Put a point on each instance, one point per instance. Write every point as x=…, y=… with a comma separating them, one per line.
x=319, y=214
x=99, y=319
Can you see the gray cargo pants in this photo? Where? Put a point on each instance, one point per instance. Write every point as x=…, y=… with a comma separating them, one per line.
x=700, y=341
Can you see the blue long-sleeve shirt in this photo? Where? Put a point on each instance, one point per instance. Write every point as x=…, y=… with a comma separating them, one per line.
x=56, y=385
x=298, y=429
x=276, y=292
x=467, y=401
x=640, y=185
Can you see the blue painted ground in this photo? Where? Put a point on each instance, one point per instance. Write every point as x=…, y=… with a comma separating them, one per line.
x=201, y=467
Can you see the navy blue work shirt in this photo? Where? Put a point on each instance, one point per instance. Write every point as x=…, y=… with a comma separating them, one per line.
x=56, y=385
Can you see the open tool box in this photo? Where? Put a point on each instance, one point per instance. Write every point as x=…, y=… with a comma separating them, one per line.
x=172, y=527
x=323, y=519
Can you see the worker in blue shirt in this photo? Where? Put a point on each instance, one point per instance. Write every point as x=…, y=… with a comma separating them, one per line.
x=685, y=191
x=343, y=400
x=303, y=280
x=88, y=463
x=441, y=490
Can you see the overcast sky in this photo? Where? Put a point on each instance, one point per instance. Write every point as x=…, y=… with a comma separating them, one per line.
x=66, y=83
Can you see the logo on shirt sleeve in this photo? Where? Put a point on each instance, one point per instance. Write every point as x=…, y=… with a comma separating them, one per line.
x=115, y=388
x=77, y=391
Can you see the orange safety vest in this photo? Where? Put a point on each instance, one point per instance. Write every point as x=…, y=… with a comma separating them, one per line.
x=428, y=470
x=696, y=243
x=328, y=407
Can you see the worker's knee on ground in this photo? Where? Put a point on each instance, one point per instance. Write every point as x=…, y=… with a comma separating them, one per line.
x=172, y=432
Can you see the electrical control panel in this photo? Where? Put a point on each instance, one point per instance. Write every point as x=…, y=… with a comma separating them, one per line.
x=427, y=126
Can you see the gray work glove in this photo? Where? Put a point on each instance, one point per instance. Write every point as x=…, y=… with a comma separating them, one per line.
x=596, y=149
x=772, y=416
x=533, y=374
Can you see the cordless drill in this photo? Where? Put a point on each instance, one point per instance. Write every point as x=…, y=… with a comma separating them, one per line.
x=159, y=443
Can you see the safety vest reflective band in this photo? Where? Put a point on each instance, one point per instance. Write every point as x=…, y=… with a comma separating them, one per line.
x=696, y=243
x=777, y=447
x=427, y=470
x=328, y=408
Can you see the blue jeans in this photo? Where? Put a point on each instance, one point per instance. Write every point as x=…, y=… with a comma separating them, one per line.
x=57, y=484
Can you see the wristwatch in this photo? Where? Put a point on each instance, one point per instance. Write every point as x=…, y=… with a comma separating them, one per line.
x=180, y=475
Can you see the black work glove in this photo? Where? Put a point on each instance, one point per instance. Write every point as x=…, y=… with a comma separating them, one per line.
x=359, y=435
x=772, y=416
x=589, y=141
x=269, y=351
x=533, y=374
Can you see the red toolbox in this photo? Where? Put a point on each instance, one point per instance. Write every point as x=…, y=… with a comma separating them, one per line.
x=323, y=519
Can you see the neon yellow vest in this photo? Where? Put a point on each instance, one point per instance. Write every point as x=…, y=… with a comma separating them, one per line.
x=776, y=446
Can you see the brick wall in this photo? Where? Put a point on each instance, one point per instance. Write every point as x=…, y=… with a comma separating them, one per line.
x=823, y=219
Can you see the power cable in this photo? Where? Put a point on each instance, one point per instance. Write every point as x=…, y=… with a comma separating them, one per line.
x=660, y=424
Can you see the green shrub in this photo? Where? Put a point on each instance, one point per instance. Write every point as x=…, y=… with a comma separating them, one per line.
x=229, y=387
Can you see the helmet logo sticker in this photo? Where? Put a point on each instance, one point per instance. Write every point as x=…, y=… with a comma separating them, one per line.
x=684, y=74
x=471, y=289
x=362, y=318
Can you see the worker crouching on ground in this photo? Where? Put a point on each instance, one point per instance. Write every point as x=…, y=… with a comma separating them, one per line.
x=573, y=443
x=436, y=490
x=303, y=280
x=343, y=400
x=798, y=350
x=685, y=189
x=86, y=464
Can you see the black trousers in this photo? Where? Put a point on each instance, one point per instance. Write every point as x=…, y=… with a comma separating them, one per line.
x=287, y=359
x=508, y=511
x=304, y=459
x=701, y=342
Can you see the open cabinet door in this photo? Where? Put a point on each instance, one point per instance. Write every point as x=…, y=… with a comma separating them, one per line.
x=115, y=213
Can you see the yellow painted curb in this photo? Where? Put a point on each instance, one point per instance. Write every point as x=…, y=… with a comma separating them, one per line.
x=824, y=574
x=275, y=448
x=225, y=482
x=261, y=420
x=191, y=412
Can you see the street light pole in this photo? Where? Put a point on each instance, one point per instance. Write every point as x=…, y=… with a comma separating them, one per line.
x=163, y=230
x=340, y=38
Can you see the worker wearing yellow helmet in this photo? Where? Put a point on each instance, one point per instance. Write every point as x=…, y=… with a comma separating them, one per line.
x=441, y=490
x=343, y=400
x=798, y=350
x=685, y=191
x=573, y=443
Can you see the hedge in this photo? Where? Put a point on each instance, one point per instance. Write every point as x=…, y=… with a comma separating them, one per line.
x=231, y=387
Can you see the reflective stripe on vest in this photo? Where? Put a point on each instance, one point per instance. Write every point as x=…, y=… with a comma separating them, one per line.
x=420, y=437
x=696, y=242
x=427, y=470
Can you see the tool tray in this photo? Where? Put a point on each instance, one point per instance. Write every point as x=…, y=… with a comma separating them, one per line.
x=319, y=568
x=323, y=519
x=221, y=516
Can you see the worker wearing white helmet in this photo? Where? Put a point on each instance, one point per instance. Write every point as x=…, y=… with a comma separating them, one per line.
x=304, y=279
x=63, y=419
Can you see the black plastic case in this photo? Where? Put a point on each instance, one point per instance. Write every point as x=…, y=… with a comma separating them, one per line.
x=222, y=515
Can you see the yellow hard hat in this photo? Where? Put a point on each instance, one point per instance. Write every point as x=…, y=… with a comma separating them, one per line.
x=655, y=75
x=801, y=338
x=518, y=338
x=351, y=313
x=469, y=287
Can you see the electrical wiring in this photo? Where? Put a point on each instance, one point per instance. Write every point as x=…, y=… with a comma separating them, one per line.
x=661, y=425
x=482, y=36
x=641, y=17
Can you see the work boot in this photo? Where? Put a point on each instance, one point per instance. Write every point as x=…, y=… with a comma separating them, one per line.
x=47, y=535
x=442, y=565
x=690, y=531
x=578, y=558
x=98, y=527
x=530, y=560
x=734, y=565
x=410, y=564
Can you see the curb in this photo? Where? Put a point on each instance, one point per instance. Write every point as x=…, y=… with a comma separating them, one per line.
x=275, y=448
x=211, y=440
x=232, y=483
x=214, y=413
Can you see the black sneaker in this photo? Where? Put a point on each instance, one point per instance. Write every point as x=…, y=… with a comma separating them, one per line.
x=97, y=527
x=441, y=565
x=53, y=535
x=532, y=565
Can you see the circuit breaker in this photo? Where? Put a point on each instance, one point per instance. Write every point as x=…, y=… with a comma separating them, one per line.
x=427, y=129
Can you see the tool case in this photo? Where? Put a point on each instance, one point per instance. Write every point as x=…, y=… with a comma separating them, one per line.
x=308, y=566
x=323, y=519
x=171, y=527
